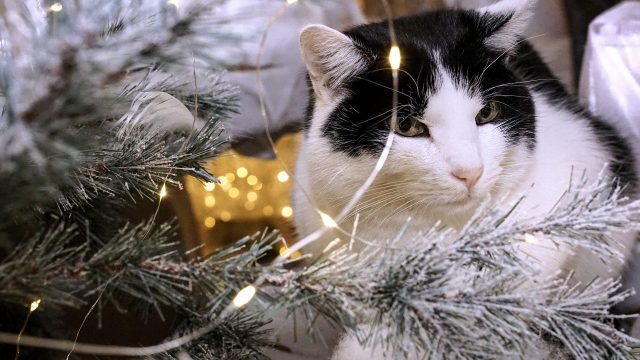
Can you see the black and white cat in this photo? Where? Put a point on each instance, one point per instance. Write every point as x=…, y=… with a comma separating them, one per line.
x=480, y=115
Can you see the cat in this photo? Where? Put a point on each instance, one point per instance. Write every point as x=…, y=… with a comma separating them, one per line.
x=480, y=114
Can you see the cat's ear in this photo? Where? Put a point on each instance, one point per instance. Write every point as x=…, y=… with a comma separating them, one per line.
x=331, y=57
x=505, y=22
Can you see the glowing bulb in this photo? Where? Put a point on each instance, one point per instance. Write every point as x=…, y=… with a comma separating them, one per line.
x=209, y=222
x=163, y=191
x=252, y=196
x=34, y=305
x=294, y=255
x=242, y=172
x=283, y=176
x=333, y=243
x=224, y=183
x=530, y=239
x=55, y=7
x=175, y=3
x=210, y=201
x=267, y=210
x=286, y=211
x=231, y=177
x=209, y=186
x=234, y=193
x=249, y=205
x=394, y=57
x=328, y=221
x=252, y=180
x=244, y=296
x=257, y=186
x=291, y=2
x=225, y=216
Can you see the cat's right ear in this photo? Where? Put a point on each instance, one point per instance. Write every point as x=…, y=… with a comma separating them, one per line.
x=505, y=22
x=331, y=57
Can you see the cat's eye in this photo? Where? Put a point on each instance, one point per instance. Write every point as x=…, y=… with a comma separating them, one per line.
x=410, y=127
x=487, y=113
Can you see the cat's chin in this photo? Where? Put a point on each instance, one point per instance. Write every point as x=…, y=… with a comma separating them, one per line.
x=458, y=206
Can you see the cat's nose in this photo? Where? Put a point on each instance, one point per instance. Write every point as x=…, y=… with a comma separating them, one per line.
x=469, y=175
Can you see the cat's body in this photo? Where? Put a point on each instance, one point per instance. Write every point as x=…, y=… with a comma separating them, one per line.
x=481, y=116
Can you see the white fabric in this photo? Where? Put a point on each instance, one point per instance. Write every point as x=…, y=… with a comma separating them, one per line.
x=610, y=80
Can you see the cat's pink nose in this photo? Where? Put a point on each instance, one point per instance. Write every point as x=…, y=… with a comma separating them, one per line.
x=470, y=175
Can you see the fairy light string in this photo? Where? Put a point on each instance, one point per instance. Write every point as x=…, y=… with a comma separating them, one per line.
x=32, y=307
x=395, y=60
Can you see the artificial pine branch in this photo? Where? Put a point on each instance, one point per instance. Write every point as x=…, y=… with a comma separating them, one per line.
x=138, y=261
x=450, y=294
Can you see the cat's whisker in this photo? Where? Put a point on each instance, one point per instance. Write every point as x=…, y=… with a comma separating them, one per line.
x=507, y=51
x=516, y=83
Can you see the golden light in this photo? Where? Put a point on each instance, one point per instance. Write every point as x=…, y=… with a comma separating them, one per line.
x=257, y=186
x=231, y=177
x=210, y=201
x=394, y=57
x=163, y=191
x=327, y=220
x=224, y=183
x=283, y=176
x=34, y=305
x=252, y=180
x=225, y=216
x=242, y=172
x=234, y=193
x=294, y=255
x=267, y=210
x=249, y=205
x=209, y=222
x=252, y=196
x=244, y=296
x=286, y=211
x=530, y=239
x=209, y=186
x=55, y=7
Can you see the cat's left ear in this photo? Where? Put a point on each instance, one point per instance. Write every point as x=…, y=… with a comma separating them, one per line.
x=505, y=22
x=331, y=58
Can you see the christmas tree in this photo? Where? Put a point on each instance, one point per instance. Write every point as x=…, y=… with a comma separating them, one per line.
x=111, y=104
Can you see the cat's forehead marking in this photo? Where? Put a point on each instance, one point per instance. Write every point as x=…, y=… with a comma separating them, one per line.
x=450, y=99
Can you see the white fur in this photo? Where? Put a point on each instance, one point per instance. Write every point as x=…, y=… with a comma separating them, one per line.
x=565, y=146
x=330, y=57
x=507, y=36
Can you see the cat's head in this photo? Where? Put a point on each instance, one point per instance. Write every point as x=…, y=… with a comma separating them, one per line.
x=466, y=123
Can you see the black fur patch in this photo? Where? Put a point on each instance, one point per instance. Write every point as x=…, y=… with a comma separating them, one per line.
x=360, y=123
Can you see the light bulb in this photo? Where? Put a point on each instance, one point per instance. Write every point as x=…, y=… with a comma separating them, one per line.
x=163, y=191
x=34, y=305
x=328, y=221
x=530, y=239
x=394, y=57
x=244, y=296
